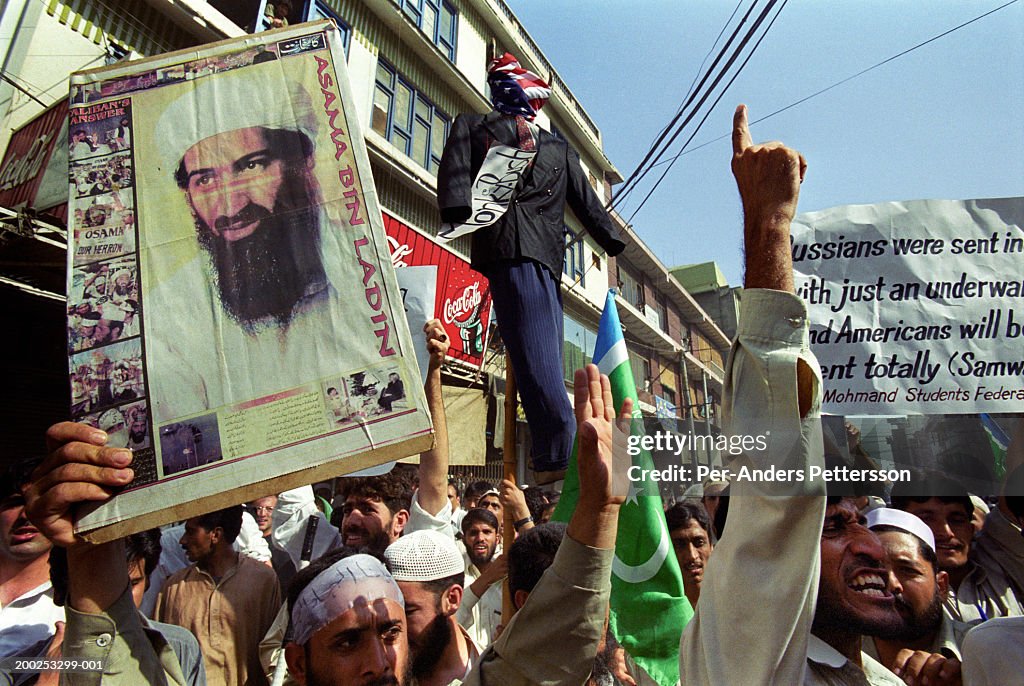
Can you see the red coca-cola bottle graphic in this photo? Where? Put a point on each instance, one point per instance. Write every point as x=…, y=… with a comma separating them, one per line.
x=465, y=306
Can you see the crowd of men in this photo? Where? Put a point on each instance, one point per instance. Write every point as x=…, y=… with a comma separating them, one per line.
x=403, y=585
x=97, y=177
x=108, y=308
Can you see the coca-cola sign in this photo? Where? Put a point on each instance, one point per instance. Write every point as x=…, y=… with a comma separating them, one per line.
x=34, y=169
x=465, y=306
x=463, y=294
x=399, y=251
x=17, y=169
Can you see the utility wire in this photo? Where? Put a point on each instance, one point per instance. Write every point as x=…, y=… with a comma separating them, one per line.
x=838, y=83
x=745, y=40
x=735, y=55
x=640, y=171
x=11, y=81
x=696, y=76
x=750, y=33
x=708, y=113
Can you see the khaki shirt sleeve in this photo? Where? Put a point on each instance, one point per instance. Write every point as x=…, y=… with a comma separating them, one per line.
x=553, y=639
x=118, y=639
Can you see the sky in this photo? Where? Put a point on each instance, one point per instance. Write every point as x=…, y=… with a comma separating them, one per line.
x=943, y=121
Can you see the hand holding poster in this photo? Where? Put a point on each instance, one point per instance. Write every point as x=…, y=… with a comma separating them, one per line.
x=259, y=330
x=916, y=307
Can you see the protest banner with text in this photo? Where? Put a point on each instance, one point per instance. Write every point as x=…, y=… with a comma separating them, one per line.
x=916, y=307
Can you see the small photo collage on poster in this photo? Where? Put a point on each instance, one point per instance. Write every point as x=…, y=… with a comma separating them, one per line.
x=365, y=395
x=106, y=376
x=99, y=130
x=105, y=303
x=101, y=175
x=108, y=388
x=104, y=226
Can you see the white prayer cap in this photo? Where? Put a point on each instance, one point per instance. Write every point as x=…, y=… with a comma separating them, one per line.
x=258, y=95
x=979, y=504
x=424, y=555
x=912, y=524
x=349, y=582
x=111, y=418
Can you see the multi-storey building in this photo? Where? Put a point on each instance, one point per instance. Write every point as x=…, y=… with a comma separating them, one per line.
x=414, y=65
x=676, y=350
x=708, y=286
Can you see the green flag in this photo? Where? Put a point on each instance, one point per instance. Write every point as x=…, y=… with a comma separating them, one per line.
x=999, y=440
x=648, y=607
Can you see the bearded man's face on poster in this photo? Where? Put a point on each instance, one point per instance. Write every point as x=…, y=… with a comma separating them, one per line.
x=254, y=201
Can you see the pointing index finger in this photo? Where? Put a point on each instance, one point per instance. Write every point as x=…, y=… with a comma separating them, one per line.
x=740, y=131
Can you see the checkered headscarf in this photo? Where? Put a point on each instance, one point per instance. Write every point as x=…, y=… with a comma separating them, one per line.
x=515, y=90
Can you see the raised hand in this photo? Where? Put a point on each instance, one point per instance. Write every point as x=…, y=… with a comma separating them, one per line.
x=437, y=343
x=768, y=176
x=597, y=509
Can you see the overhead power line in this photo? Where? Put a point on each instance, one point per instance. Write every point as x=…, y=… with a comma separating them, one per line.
x=633, y=177
x=699, y=105
x=8, y=79
x=838, y=83
x=711, y=50
x=692, y=114
x=643, y=167
x=707, y=114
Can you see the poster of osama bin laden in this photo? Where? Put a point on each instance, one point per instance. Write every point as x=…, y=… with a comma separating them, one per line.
x=248, y=329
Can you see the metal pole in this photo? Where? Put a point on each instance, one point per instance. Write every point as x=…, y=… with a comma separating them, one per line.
x=509, y=469
x=694, y=457
x=707, y=411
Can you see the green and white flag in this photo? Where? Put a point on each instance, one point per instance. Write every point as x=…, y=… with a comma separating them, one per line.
x=648, y=607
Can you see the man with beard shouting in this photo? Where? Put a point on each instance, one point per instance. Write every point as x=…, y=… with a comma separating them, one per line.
x=348, y=614
x=242, y=306
x=480, y=611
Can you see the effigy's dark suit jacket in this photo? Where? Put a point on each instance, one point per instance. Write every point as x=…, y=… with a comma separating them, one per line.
x=532, y=228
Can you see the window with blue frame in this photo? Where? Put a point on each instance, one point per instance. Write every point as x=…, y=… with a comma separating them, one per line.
x=320, y=11
x=407, y=119
x=578, y=341
x=437, y=20
x=572, y=259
